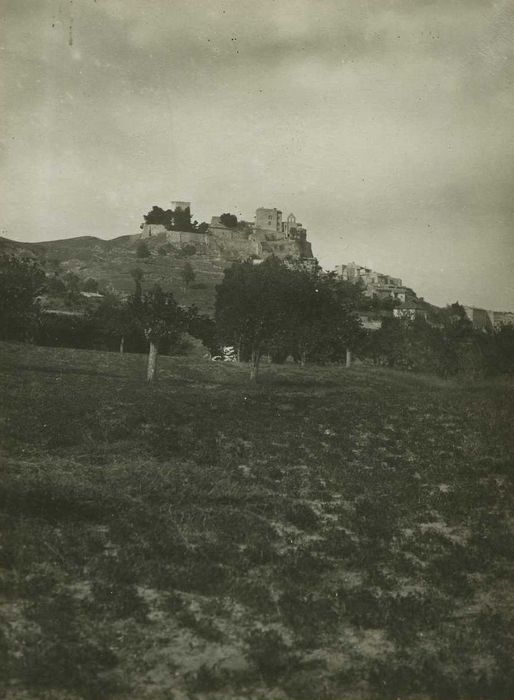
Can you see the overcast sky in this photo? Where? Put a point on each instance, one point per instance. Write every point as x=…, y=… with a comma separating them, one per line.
x=386, y=126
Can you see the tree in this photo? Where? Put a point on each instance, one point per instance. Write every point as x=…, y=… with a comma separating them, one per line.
x=113, y=320
x=252, y=307
x=323, y=325
x=173, y=219
x=72, y=283
x=160, y=318
x=90, y=285
x=229, y=220
x=21, y=282
x=282, y=309
x=204, y=328
x=504, y=346
x=137, y=275
x=188, y=274
x=182, y=220
x=159, y=216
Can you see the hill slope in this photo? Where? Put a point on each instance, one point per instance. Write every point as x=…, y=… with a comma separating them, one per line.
x=110, y=263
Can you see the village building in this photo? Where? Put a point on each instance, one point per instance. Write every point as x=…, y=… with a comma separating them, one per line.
x=487, y=320
x=376, y=284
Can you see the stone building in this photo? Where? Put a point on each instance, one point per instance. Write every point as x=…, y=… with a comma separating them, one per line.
x=268, y=219
x=375, y=283
x=487, y=320
x=291, y=228
x=153, y=230
x=160, y=232
x=181, y=205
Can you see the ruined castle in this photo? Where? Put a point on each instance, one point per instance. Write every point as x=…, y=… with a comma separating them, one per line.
x=269, y=234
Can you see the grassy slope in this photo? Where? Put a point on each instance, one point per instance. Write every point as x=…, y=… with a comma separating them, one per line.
x=328, y=534
x=110, y=263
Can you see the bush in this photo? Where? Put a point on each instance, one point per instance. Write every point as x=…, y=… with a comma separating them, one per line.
x=187, y=250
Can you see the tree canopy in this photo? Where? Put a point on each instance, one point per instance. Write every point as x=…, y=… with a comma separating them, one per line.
x=21, y=282
x=271, y=307
x=172, y=219
x=228, y=220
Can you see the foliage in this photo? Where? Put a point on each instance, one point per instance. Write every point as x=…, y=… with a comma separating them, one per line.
x=112, y=321
x=252, y=305
x=21, y=281
x=504, y=348
x=172, y=219
x=203, y=327
x=229, y=220
x=281, y=309
x=447, y=346
x=187, y=250
x=54, y=285
x=157, y=315
x=90, y=285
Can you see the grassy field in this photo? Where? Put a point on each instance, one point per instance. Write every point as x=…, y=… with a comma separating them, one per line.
x=329, y=534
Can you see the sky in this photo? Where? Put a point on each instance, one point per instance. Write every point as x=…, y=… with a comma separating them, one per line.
x=385, y=126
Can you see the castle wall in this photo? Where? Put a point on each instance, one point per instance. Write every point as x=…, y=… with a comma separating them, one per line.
x=178, y=237
x=151, y=230
x=183, y=237
x=223, y=233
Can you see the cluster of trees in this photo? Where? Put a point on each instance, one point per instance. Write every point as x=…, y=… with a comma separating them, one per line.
x=21, y=283
x=447, y=345
x=273, y=308
x=175, y=219
x=229, y=220
x=281, y=310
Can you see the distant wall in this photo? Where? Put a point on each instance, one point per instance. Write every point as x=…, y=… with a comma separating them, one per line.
x=223, y=233
x=178, y=237
x=183, y=237
x=151, y=230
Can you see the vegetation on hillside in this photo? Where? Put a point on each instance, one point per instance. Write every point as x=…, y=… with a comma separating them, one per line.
x=229, y=220
x=174, y=219
x=273, y=309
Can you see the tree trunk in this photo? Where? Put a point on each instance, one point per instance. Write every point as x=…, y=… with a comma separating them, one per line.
x=303, y=358
x=122, y=345
x=254, y=367
x=348, y=357
x=152, y=362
